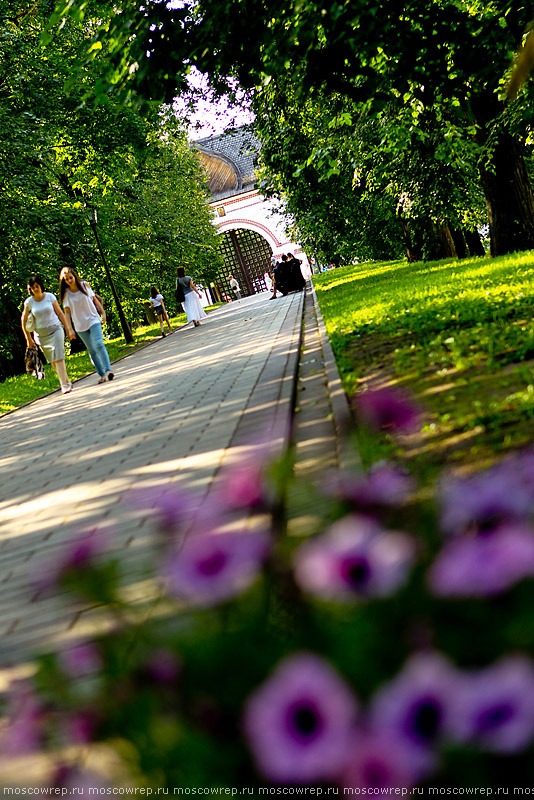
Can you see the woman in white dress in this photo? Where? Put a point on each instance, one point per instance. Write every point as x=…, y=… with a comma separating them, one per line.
x=49, y=323
x=191, y=303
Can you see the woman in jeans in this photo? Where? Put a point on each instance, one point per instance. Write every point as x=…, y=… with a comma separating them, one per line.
x=49, y=324
x=83, y=310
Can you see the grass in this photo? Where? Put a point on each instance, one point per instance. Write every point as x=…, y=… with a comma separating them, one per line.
x=459, y=335
x=23, y=389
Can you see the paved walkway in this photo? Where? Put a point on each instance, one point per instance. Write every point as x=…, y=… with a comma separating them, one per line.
x=177, y=410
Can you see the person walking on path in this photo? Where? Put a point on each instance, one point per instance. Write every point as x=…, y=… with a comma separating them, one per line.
x=83, y=310
x=156, y=301
x=234, y=286
x=192, y=305
x=49, y=323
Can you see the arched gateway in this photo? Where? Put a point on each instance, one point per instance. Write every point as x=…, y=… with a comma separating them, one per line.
x=251, y=231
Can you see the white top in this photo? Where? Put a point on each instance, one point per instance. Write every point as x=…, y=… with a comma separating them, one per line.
x=157, y=300
x=43, y=311
x=234, y=284
x=82, y=309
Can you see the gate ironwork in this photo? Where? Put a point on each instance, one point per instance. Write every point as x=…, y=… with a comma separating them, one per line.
x=246, y=256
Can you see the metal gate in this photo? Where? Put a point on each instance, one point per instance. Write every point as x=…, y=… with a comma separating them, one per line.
x=247, y=256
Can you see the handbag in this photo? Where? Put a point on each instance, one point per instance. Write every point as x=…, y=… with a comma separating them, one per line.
x=179, y=295
x=33, y=363
x=30, y=322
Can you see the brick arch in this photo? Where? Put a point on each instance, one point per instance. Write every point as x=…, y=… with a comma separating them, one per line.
x=250, y=225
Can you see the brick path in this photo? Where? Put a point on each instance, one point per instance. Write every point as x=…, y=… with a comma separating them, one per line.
x=176, y=411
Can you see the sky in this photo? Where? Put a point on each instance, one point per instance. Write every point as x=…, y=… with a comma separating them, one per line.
x=210, y=116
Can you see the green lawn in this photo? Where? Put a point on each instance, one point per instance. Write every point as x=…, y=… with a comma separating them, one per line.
x=458, y=334
x=24, y=388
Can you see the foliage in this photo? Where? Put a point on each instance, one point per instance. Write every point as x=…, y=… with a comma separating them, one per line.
x=58, y=154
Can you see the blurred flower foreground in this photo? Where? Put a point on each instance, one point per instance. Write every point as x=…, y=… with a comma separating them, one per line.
x=391, y=649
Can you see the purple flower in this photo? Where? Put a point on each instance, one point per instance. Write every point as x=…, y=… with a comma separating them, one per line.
x=495, y=706
x=389, y=408
x=416, y=704
x=82, y=780
x=382, y=760
x=79, y=553
x=25, y=714
x=483, y=565
x=243, y=486
x=81, y=660
x=212, y=567
x=354, y=559
x=482, y=502
x=383, y=487
x=299, y=723
x=173, y=510
x=163, y=666
x=79, y=728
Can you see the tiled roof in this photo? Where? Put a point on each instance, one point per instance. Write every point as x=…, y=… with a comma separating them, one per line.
x=240, y=147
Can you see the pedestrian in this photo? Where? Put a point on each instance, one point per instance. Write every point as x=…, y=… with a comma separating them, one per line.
x=234, y=286
x=49, y=322
x=192, y=305
x=296, y=279
x=83, y=311
x=156, y=301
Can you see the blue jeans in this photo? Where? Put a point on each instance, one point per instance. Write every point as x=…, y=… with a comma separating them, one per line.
x=94, y=341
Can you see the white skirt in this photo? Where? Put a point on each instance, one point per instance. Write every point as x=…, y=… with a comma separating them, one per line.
x=193, y=307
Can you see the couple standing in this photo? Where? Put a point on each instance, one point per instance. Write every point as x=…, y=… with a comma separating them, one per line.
x=83, y=311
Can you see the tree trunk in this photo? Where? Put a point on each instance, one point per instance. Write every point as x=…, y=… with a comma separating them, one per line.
x=414, y=251
x=474, y=243
x=460, y=244
x=505, y=182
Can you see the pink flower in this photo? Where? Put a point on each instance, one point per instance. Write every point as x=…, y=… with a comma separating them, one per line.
x=389, y=408
x=354, y=559
x=299, y=723
x=81, y=660
x=213, y=567
x=383, y=760
x=483, y=565
x=416, y=705
x=495, y=706
x=23, y=732
x=383, y=487
x=79, y=553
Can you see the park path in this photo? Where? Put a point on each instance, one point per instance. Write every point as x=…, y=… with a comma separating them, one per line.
x=177, y=410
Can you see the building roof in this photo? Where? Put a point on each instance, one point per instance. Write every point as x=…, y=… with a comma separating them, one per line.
x=229, y=159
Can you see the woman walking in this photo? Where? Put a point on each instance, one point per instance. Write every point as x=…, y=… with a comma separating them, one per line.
x=49, y=323
x=83, y=310
x=156, y=301
x=191, y=302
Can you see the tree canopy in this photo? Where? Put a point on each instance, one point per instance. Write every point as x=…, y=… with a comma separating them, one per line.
x=432, y=74
x=58, y=154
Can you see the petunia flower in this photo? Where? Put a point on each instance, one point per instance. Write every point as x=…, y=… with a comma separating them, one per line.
x=23, y=732
x=483, y=565
x=299, y=723
x=381, y=760
x=416, y=704
x=80, y=660
x=390, y=409
x=383, y=487
x=354, y=559
x=495, y=706
x=484, y=501
x=80, y=552
x=212, y=567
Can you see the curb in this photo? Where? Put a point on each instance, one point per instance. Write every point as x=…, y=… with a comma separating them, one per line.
x=343, y=422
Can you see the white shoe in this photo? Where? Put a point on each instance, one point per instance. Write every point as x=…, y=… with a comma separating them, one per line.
x=102, y=379
x=66, y=389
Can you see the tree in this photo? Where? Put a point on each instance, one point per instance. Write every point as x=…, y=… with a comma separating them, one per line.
x=446, y=53
x=57, y=154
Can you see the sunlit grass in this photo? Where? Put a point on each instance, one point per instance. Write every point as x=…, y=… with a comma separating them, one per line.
x=467, y=324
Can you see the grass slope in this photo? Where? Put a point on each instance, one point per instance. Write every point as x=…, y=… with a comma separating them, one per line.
x=458, y=334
